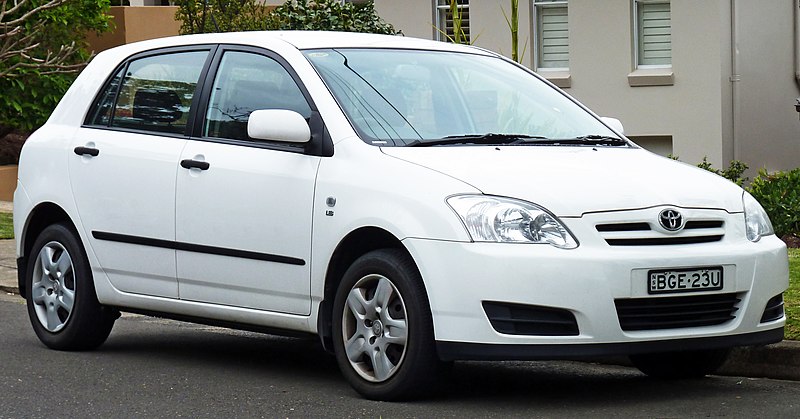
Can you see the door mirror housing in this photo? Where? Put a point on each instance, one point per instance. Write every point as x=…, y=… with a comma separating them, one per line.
x=614, y=124
x=278, y=125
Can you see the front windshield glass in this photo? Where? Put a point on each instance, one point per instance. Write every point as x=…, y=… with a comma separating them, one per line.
x=401, y=97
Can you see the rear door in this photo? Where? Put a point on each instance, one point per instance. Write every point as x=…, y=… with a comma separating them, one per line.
x=124, y=165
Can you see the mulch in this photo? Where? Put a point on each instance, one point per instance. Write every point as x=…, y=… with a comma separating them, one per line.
x=10, y=147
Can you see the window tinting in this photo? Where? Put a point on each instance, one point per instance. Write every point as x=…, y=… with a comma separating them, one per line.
x=247, y=82
x=157, y=92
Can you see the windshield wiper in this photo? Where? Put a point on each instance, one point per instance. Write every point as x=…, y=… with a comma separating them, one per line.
x=601, y=140
x=483, y=139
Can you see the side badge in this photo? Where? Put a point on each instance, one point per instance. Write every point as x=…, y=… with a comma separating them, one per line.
x=330, y=202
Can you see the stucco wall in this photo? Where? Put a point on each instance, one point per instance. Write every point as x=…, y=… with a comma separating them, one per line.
x=133, y=24
x=768, y=128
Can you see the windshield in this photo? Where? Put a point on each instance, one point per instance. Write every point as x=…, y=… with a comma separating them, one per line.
x=410, y=97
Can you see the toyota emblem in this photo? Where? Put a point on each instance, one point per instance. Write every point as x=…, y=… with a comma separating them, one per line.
x=670, y=219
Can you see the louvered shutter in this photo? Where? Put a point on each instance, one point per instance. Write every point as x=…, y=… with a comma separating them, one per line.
x=655, y=34
x=553, y=31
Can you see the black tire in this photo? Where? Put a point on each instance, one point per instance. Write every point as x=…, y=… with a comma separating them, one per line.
x=679, y=365
x=412, y=369
x=62, y=303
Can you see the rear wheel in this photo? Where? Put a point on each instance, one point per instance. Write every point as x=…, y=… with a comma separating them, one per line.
x=687, y=364
x=62, y=304
x=382, y=331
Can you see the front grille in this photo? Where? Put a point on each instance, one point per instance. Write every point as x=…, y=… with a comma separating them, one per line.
x=519, y=319
x=774, y=310
x=676, y=312
x=646, y=234
x=664, y=241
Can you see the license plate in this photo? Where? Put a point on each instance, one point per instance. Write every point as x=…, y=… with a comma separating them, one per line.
x=684, y=280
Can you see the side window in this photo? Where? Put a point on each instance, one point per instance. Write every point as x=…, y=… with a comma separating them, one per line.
x=156, y=92
x=247, y=82
x=101, y=111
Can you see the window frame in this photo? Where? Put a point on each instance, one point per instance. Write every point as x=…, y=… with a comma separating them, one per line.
x=638, y=48
x=320, y=144
x=536, y=6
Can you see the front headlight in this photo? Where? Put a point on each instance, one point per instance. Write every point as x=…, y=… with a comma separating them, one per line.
x=755, y=218
x=504, y=220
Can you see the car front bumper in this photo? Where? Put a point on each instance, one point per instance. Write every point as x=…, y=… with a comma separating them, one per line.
x=586, y=282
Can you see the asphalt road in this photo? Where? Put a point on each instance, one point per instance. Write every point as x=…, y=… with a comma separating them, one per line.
x=157, y=368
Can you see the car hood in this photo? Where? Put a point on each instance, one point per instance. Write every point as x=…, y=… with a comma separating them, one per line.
x=572, y=181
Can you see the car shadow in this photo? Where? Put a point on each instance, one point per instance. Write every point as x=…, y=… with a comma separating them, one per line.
x=502, y=385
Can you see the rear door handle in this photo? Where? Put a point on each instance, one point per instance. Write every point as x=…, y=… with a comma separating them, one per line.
x=194, y=164
x=86, y=151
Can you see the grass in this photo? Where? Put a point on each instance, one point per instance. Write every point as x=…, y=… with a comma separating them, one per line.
x=791, y=298
x=6, y=226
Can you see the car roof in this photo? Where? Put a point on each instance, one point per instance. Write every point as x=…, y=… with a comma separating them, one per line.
x=301, y=40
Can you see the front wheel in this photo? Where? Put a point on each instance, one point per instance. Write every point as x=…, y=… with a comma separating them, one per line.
x=62, y=304
x=676, y=365
x=382, y=328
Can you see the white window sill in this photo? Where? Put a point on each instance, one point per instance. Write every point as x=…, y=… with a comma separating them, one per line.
x=560, y=78
x=651, y=77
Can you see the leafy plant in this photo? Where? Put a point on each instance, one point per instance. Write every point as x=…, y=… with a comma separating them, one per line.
x=779, y=194
x=208, y=16
x=513, y=26
x=733, y=173
x=42, y=46
x=459, y=35
x=200, y=16
x=328, y=15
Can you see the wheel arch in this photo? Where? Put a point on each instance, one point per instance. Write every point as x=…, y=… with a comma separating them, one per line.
x=351, y=247
x=43, y=215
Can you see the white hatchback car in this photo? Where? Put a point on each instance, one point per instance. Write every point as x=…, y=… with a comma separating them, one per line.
x=410, y=202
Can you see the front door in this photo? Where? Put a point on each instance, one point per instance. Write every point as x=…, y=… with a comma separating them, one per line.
x=244, y=206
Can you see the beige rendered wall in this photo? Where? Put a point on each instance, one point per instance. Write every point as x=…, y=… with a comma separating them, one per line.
x=768, y=127
x=412, y=17
x=137, y=23
x=691, y=110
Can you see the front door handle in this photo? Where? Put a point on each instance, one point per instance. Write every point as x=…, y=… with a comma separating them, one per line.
x=86, y=151
x=194, y=164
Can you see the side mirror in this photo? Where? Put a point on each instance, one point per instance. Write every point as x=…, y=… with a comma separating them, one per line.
x=614, y=123
x=278, y=125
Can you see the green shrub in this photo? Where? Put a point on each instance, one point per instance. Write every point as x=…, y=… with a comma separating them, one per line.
x=779, y=194
x=44, y=47
x=209, y=16
x=199, y=16
x=328, y=15
x=733, y=173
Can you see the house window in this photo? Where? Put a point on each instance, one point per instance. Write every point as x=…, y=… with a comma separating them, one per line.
x=446, y=24
x=551, y=34
x=653, y=33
